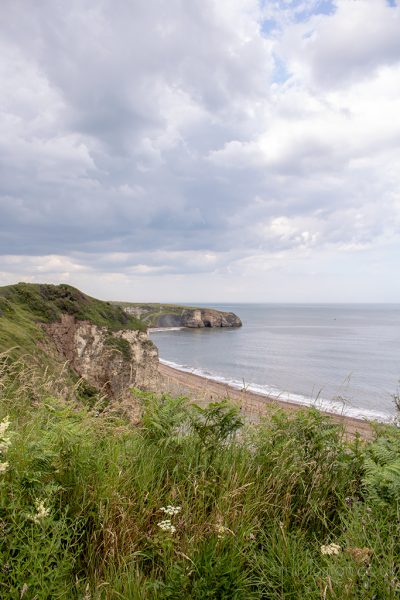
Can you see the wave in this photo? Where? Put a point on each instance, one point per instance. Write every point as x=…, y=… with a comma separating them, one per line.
x=322, y=404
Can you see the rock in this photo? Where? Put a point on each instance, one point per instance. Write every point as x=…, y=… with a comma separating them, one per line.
x=208, y=317
x=110, y=363
x=173, y=315
x=199, y=317
x=169, y=321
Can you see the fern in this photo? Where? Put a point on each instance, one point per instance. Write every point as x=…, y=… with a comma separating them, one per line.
x=382, y=470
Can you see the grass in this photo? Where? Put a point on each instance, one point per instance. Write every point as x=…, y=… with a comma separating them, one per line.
x=120, y=345
x=25, y=308
x=151, y=312
x=83, y=493
x=45, y=303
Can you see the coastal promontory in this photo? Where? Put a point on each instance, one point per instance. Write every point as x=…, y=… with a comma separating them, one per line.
x=172, y=315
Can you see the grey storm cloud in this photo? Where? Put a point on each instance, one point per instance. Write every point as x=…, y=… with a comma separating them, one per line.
x=151, y=133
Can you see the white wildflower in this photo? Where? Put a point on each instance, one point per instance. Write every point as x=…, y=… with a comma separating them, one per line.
x=5, y=444
x=330, y=549
x=167, y=526
x=4, y=439
x=171, y=510
x=3, y=467
x=222, y=531
x=41, y=512
x=4, y=425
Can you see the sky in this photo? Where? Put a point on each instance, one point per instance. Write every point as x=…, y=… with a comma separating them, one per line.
x=202, y=150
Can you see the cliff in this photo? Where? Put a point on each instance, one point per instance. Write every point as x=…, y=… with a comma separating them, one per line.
x=111, y=362
x=172, y=315
x=100, y=342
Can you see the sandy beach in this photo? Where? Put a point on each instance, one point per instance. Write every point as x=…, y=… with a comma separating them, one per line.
x=252, y=405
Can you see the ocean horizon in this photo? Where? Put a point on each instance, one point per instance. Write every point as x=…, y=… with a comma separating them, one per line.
x=342, y=358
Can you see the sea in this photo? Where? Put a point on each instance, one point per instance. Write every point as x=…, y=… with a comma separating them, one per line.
x=340, y=358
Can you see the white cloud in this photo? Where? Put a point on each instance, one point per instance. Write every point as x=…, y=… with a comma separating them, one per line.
x=156, y=140
x=350, y=44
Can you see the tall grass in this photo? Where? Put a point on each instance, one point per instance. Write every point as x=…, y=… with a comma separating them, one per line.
x=191, y=504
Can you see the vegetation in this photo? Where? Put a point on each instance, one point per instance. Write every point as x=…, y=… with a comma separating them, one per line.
x=120, y=345
x=25, y=306
x=192, y=504
x=46, y=303
x=149, y=313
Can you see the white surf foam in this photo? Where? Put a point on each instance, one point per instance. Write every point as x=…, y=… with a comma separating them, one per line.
x=323, y=404
x=154, y=329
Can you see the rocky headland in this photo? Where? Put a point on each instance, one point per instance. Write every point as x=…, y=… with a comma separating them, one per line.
x=172, y=315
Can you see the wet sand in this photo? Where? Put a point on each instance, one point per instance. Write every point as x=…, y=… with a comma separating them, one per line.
x=253, y=406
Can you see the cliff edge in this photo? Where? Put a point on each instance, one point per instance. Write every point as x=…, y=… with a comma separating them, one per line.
x=102, y=344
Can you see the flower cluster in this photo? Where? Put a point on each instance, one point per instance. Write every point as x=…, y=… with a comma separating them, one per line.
x=171, y=510
x=41, y=512
x=222, y=531
x=166, y=525
x=4, y=442
x=330, y=549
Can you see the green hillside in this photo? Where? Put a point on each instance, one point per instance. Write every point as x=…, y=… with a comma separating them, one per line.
x=25, y=305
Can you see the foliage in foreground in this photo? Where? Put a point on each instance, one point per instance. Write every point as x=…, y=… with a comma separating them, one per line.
x=191, y=505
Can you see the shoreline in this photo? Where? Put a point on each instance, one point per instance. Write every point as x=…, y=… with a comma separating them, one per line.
x=252, y=405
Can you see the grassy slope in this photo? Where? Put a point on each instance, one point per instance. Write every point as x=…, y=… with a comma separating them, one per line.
x=81, y=499
x=24, y=305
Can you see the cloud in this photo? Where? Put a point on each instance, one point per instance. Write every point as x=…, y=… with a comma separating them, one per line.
x=205, y=138
x=337, y=49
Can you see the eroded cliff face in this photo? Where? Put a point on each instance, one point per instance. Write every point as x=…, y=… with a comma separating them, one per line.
x=174, y=316
x=209, y=318
x=110, y=363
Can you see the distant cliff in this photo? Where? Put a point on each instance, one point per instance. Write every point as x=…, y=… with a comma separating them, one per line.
x=171, y=315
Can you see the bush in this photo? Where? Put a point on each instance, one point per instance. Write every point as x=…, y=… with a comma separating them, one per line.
x=182, y=507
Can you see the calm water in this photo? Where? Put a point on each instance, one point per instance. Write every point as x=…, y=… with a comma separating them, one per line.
x=341, y=357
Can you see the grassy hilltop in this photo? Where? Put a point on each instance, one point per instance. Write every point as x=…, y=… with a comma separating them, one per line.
x=190, y=504
x=150, y=312
x=25, y=305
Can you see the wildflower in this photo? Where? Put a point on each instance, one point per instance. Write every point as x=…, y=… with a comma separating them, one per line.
x=41, y=512
x=4, y=425
x=24, y=589
x=3, y=467
x=5, y=444
x=171, y=510
x=222, y=531
x=4, y=440
x=330, y=549
x=167, y=526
